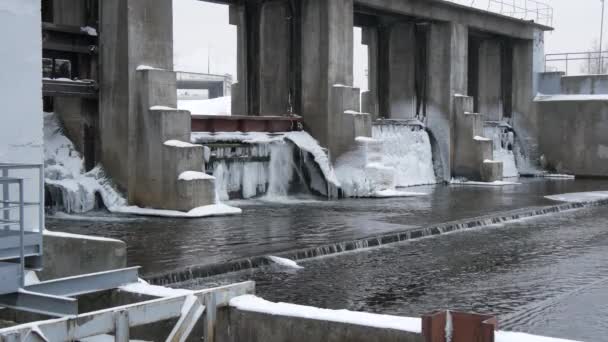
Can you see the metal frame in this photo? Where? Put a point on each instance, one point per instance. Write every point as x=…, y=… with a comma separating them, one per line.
x=188, y=308
x=568, y=57
x=537, y=11
x=8, y=205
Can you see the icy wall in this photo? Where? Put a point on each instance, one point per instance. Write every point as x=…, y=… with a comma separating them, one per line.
x=503, y=140
x=65, y=177
x=407, y=149
x=21, y=85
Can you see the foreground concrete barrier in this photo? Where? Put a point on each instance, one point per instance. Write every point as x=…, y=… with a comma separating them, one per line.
x=68, y=255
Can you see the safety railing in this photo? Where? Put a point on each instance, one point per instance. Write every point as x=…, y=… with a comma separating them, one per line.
x=537, y=11
x=590, y=62
x=8, y=205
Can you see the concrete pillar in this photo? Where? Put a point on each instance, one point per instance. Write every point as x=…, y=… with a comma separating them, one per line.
x=239, y=89
x=274, y=63
x=489, y=80
x=447, y=76
x=70, y=12
x=369, y=99
x=327, y=60
x=400, y=71
x=527, y=67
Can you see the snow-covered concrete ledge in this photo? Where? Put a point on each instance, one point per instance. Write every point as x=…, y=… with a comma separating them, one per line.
x=413, y=325
x=204, y=211
x=580, y=197
x=473, y=183
x=573, y=97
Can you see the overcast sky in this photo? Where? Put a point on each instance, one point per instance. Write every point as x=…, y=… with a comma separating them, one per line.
x=204, y=41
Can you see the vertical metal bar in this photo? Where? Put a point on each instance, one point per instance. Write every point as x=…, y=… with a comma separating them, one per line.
x=41, y=199
x=21, y=233
x=601, y=67
x=5, y=197
x=121, y=326
x=210, y=316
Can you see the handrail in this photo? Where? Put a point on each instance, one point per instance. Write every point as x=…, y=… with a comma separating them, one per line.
x=567, y=57
x=537, y=11
x=20, y=204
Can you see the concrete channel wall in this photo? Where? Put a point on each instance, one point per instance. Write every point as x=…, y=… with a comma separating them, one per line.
x=235, y=325
x=574, y=137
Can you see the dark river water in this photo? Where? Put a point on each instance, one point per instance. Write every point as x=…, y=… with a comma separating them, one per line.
x=547, y=275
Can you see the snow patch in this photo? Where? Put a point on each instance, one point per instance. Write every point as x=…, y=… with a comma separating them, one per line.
x=204, y=211
x=572, y=97
x=579, y=197
x=397, y=193
x=162, y=108
x=180, y=144
x=78, y=236
x=284, y=262
x=217, y=106
x=252, y=303
x=146, y=67
x=193, y=175
x=479, y=138
x=495, y=183
x=91, y=31
x=153, y=290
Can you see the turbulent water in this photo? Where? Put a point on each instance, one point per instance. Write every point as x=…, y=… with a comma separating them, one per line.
x=71, y=188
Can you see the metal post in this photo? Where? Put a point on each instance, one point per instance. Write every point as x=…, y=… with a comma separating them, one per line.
x=601, y=38
x=21, y=233
x=5, y=197
x=41, y=200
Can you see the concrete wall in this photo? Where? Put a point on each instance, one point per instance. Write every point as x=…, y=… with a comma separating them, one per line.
x=132, y=33
x=400, y=71
x=68, y=255
x=235, y=325
x=550, y=83
x=584, y=84
x=21, y=121
x=490, y=80
x=327, y=60
x=447, y=73
x=574, y=137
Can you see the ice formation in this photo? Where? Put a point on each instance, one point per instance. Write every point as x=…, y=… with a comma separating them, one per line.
x=408, y=150
x=64, y=173
x=503, y=142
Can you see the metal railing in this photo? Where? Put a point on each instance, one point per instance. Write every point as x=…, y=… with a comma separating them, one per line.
x=537, y=11
x=8, y=205
x=590, y=62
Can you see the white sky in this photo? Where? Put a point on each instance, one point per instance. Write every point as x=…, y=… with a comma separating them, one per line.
x=203, y=37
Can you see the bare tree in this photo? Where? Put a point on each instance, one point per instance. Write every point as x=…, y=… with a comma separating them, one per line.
x=592, y=64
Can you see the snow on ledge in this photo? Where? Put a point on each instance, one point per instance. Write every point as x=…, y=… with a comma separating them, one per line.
x=252, y=303
x=577, y=197
x=479, y=138
x=180, y=144
x=367, y=140
x=162, y=108
x=193, y=175
x=78, y=236
x=574, y=97
x=146, y=67
x=490, y=161
x=91, y=31
x=495, y=183
x=204, y=211
x=153, y=290
x=396, y=193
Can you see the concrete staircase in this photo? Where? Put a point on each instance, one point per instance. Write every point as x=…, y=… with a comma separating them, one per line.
x=473, y=153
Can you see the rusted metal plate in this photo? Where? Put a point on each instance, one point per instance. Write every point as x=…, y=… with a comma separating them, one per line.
x=240, y=123
x=466, y=327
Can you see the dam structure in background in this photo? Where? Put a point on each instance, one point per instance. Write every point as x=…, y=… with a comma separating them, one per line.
x=450, y=95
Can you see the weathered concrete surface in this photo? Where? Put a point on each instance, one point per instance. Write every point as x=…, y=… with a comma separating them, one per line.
x=68, y=255
x=134, y=32
x=461, y=15
x=239, y=89
x=327, y=60
x=346, y=120
x=491, y=171
x=369, y=99
x=274, y=67
x=550, y=82
x=528, y=56
x=489, y=80
x=584, y=84
x=574, y=137
x=400, y=71
x=235, y=325
x=447, y=73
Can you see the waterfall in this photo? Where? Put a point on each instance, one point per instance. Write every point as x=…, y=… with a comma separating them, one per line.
x=407, y=149
x=503, y=141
